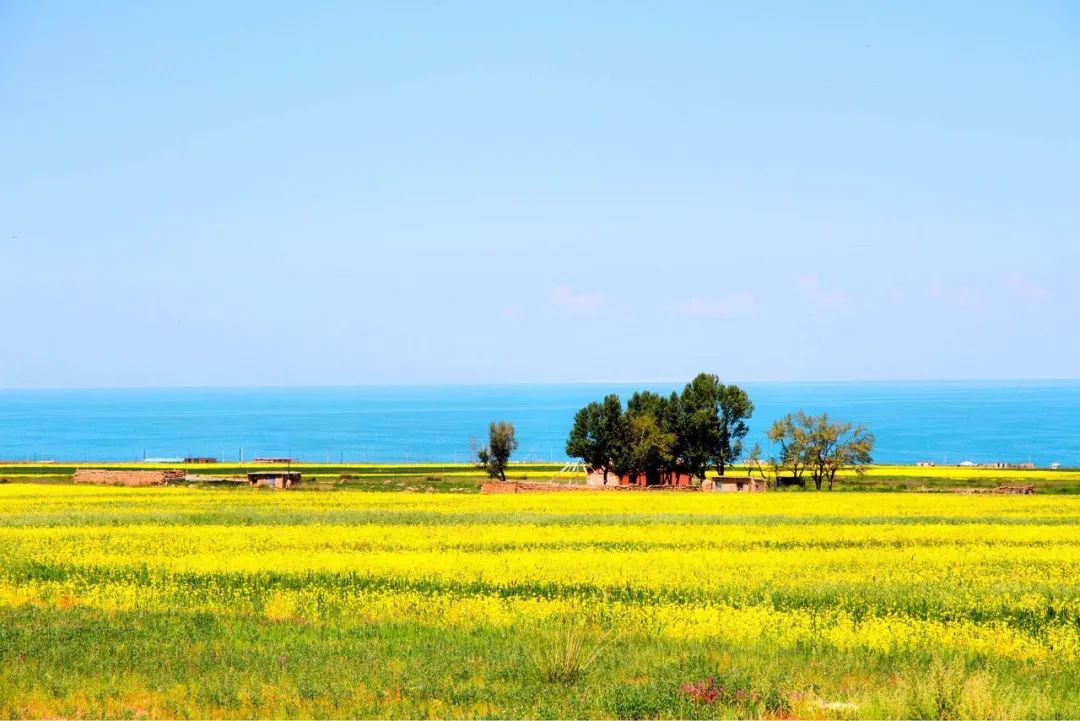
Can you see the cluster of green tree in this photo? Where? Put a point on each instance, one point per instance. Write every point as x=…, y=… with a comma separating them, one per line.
x=818, y=447
x=658, y=437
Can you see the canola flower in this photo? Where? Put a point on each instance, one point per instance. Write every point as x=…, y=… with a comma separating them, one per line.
x=995, y=577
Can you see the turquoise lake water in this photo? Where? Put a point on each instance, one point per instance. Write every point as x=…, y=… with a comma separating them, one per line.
x=940, y=421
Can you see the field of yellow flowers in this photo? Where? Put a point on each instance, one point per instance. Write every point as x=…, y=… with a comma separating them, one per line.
x=183, y=602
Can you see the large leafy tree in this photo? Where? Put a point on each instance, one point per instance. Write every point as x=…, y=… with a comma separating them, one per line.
x=646, y=402
x=715, y=418
x=501, y=443
x=647, y=449
x=700, y=423
x=735, y=408
x=672, y=419
x=598, y=435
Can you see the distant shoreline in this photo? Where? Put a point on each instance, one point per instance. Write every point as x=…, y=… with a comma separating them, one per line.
x=466, y=477
x=937, y=469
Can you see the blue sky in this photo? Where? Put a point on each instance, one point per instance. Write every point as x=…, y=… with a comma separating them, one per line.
x=434, y=192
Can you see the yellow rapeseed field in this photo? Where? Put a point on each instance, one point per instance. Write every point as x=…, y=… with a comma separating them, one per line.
x=911, y=580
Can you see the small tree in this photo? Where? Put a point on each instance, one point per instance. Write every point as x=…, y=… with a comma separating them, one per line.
x=789, y=434
x=598, y=435
x=820, y=447
x=496, y=456
x=753, y=461
x=838, y=445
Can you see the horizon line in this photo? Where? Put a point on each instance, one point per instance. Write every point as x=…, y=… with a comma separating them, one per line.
x=478, y=384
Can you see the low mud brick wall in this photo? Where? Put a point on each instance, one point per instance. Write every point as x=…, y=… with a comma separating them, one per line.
x=125, y=478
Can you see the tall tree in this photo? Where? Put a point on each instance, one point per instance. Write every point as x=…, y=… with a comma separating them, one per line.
x=648, y=445
x=700, y=423
x=646, y=402
x=715, y=423
x=735, y=408
x=598, y=435
x=502, y=442
x=673, y=420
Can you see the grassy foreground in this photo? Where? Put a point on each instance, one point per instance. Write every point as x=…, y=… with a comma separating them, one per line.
x=186, y=602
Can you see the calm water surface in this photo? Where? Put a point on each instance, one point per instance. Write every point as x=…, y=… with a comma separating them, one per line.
x=942, y=421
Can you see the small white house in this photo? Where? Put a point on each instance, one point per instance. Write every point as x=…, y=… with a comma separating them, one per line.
x=734, y=484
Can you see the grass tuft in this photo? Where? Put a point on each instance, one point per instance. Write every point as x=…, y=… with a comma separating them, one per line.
x=570, y=653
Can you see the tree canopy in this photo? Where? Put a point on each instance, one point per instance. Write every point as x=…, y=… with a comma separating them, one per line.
x=715, y=418
x=657, y=436
x=598, y=434
x=647, y=447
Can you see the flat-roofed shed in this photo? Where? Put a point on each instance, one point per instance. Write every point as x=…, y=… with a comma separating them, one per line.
x=280, y=480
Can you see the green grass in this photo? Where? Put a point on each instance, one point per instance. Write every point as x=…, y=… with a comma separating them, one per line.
x=79, y=663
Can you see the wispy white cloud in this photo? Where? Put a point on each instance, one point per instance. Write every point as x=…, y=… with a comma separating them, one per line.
x=729, y=307
x=1023, y=287
x=957, y=294
x=966, y=297
x=815, y=292
x=577, y=303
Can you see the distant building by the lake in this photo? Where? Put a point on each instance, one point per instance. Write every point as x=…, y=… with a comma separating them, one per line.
x=998, y=466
